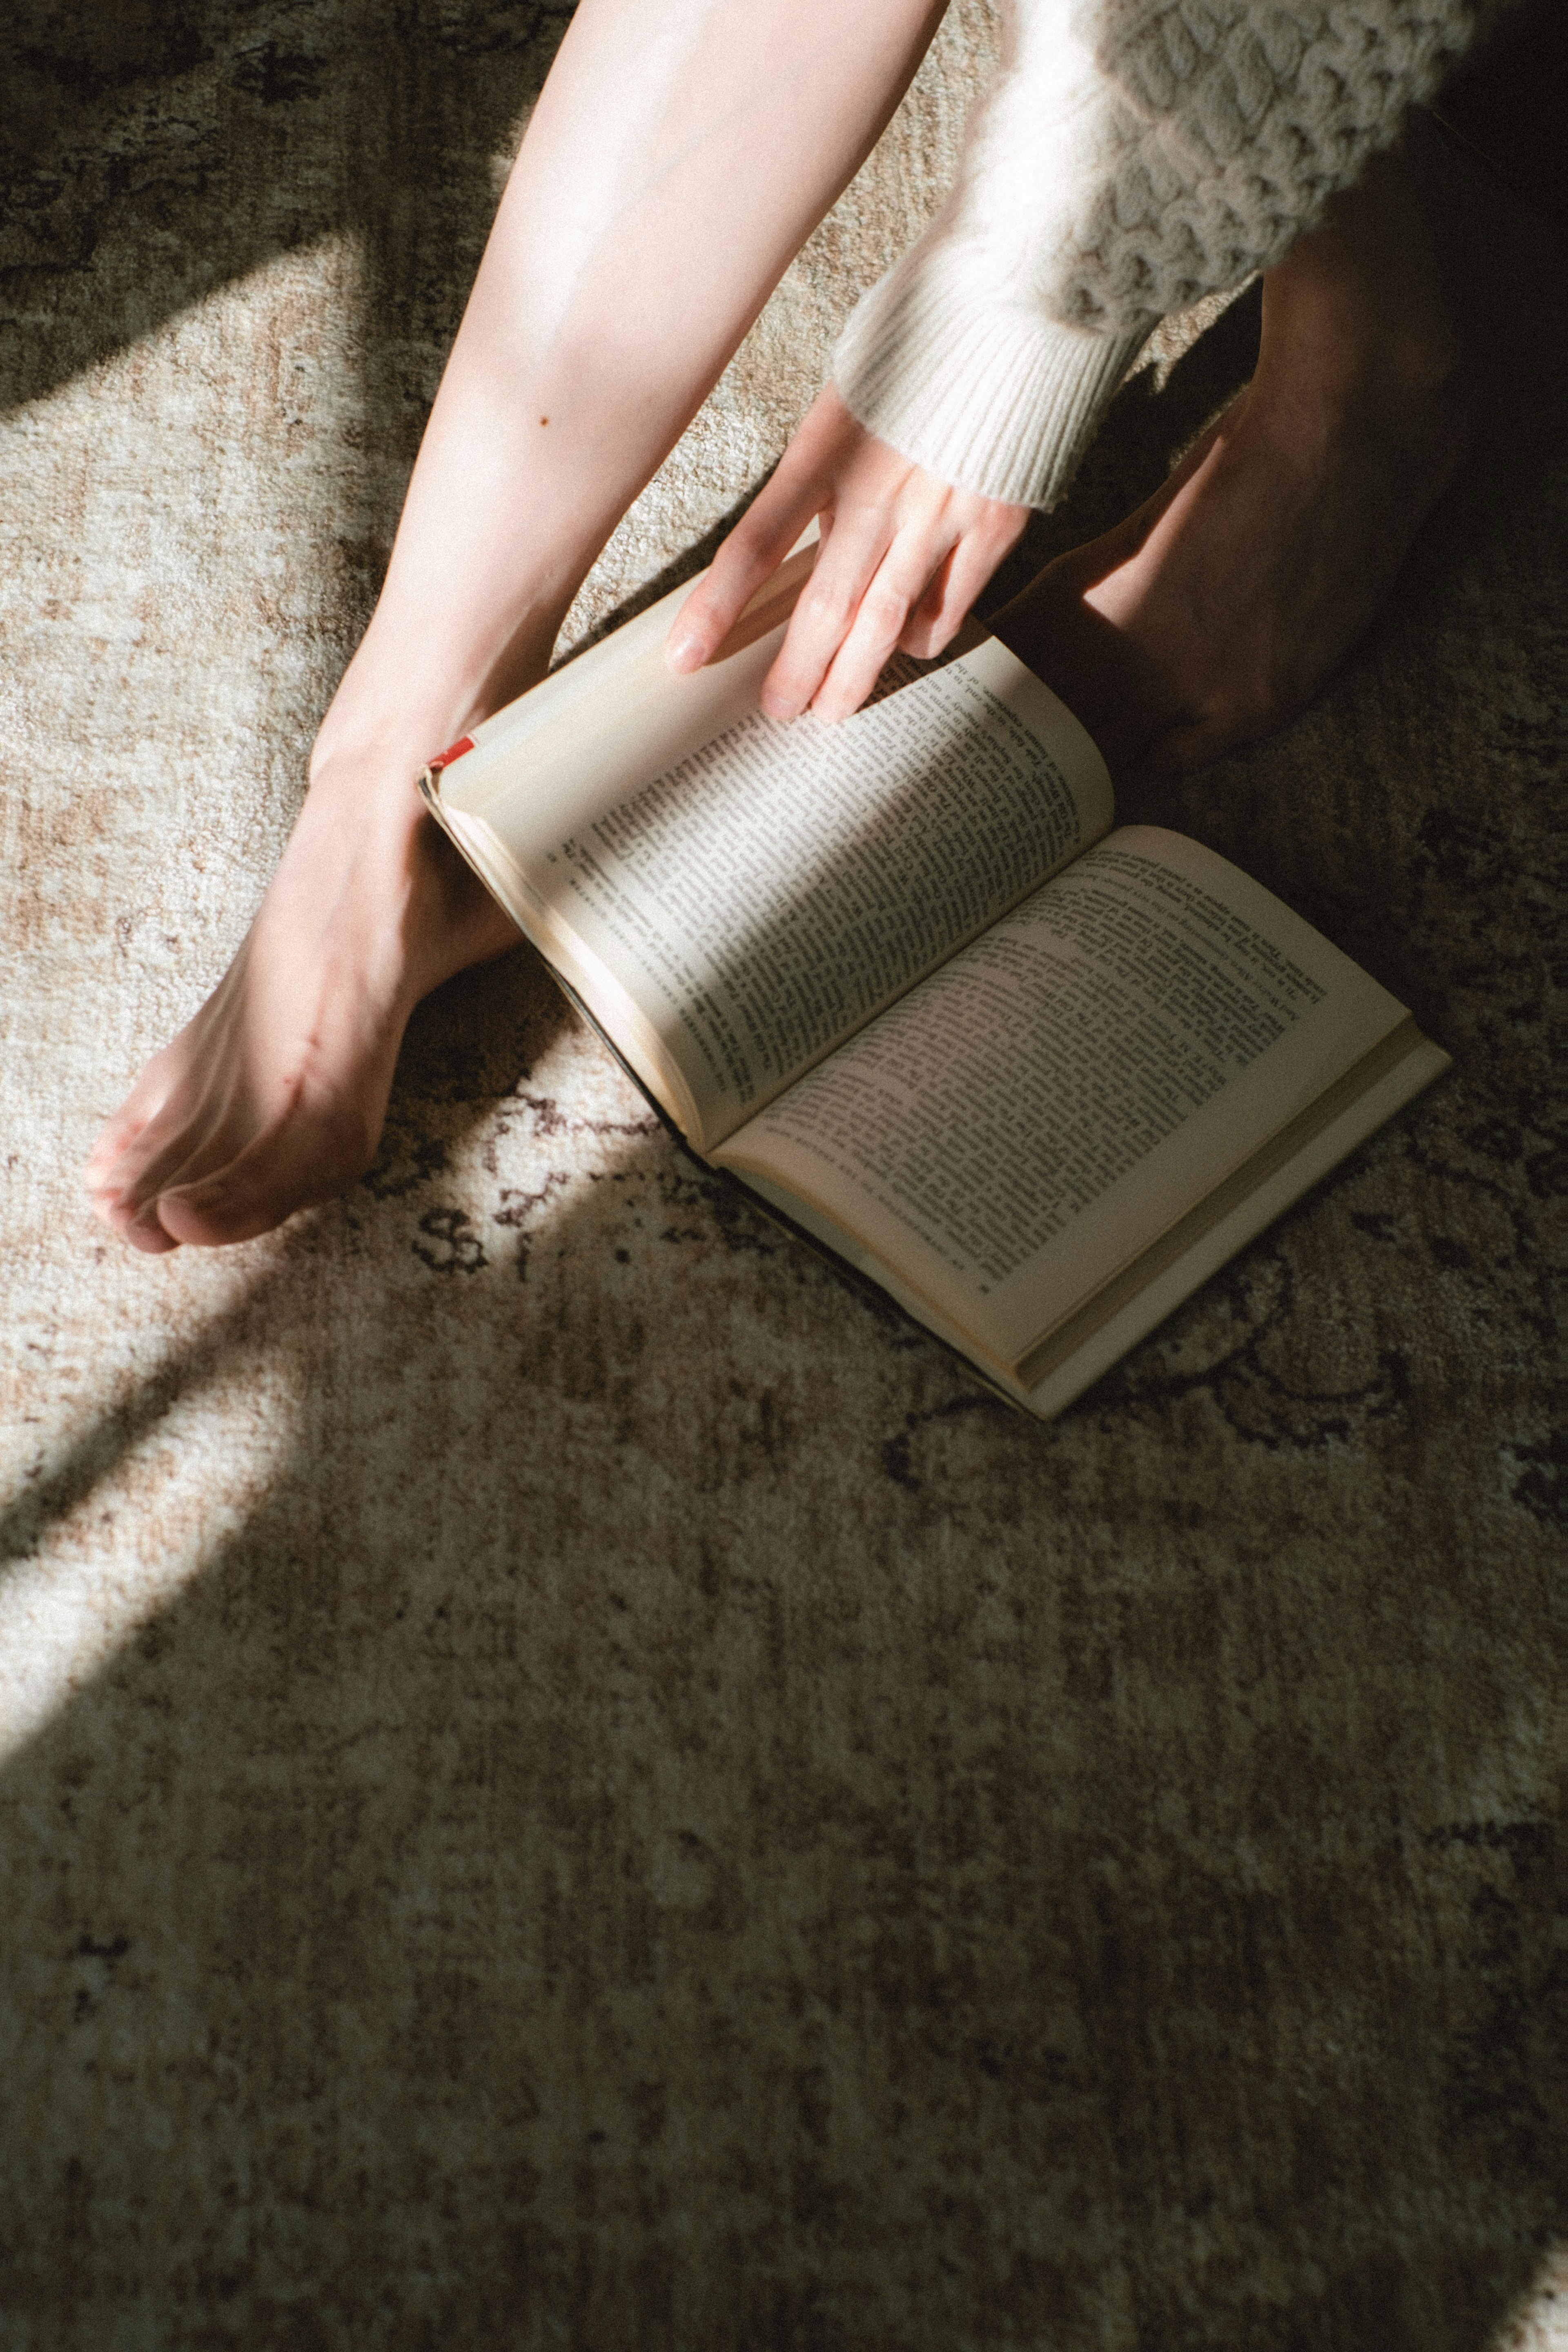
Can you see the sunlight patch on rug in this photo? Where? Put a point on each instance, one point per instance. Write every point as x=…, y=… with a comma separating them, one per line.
x=157, y=1517
x=1539, y=2322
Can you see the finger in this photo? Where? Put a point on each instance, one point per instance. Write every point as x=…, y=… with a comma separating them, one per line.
x=800, y=492
x=853, y=588
x=878, y=629
x=926, y=631
x=747, y=559
x=950, y=597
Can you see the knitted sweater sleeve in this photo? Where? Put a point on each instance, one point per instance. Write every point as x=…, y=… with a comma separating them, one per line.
x=1132, y=156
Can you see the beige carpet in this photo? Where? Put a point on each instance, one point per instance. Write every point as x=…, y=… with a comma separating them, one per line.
x=565, y=1781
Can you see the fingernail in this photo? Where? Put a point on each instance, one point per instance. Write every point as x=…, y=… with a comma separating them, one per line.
x=685, y=653
x=779, y=707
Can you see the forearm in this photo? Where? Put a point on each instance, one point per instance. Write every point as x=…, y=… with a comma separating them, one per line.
x=676, y=160
x=1119, y=172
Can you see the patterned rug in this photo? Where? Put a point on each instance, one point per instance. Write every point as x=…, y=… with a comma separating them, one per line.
x=565, y=1780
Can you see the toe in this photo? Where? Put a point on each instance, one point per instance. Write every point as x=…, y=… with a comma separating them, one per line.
x=117, y=1139
x=174, y=1146
x=215, y=1212
x=297, y=1165
x=145, y=1232
x=131, y=1122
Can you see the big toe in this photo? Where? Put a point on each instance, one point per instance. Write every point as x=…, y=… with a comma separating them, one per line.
x=143, y=1230
x=219, y=1210
x=297, y=1168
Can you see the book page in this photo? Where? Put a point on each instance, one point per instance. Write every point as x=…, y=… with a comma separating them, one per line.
x=771, y=888
x=1028, y=1120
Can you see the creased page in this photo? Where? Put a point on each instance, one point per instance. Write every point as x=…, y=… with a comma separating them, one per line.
x=1021, y=1125
x=770, y=891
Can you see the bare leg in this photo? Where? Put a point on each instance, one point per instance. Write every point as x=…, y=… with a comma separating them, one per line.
x=1216, y=612
x=677, y=161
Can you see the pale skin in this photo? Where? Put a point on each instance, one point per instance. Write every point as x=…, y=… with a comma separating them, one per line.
x=619, y=277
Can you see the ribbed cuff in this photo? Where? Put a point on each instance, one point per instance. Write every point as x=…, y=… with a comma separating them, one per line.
x=983, y=389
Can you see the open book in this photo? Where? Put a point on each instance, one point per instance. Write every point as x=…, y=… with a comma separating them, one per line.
x=1036, y=1077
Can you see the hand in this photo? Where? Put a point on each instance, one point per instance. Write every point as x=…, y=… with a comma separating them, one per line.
x=903, y=557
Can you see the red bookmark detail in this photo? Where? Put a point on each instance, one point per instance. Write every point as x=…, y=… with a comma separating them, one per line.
x=453, y=751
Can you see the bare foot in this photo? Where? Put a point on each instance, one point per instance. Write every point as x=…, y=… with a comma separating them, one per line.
x=272, y=1097
x=1216, y=612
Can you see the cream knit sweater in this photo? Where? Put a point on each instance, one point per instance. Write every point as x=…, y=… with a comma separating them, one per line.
x=1133, y=156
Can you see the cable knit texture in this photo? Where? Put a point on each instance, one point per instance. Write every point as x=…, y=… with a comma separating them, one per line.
x=1132, y=156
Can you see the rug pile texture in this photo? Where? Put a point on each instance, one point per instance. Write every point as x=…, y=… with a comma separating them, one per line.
x=564, y=1780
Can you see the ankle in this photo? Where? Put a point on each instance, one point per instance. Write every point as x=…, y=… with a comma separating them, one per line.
x=369, y=789
x=1339, y=358
x=1355, y=315
x=405, y=695
x=380, y=731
